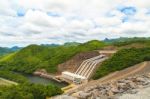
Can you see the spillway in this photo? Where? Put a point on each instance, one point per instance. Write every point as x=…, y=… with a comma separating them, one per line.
x=85, y=70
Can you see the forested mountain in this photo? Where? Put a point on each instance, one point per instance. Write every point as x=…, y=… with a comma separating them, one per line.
x=126, y=40
x=6, y=50
x=35, y=57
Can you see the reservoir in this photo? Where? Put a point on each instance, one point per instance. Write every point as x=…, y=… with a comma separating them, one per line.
x=44, y=81
x=40, y=80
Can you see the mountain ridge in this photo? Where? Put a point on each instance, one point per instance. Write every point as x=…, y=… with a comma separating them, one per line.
x=34, y=57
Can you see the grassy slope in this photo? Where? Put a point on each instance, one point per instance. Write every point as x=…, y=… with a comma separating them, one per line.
x=6, y=82
x=123, y=59
x=13, y=76
x=36, y=57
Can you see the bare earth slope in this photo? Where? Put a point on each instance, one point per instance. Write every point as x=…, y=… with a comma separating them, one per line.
x=72, y=64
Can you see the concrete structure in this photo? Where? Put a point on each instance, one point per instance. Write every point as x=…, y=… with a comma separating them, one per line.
x=85, y=70
x=107, y=51
x=71, y=76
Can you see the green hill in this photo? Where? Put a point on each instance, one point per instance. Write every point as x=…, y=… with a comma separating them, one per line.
x=123, y=41
x=29, y=91
x=123, y=59
x=71, y=44
x=35, y=57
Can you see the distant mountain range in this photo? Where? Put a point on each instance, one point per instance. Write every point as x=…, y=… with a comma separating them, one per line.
x=6, y=50
x=125, y=39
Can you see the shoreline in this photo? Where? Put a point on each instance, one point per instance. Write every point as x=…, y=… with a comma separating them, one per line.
x=46, y=75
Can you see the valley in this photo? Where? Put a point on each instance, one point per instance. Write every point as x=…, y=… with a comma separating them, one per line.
x=43, y=65
x=74, y=49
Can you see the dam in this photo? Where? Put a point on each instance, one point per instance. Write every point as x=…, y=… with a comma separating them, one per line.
x=85, y=70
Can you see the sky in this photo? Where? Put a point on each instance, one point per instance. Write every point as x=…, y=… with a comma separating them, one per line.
x=24, y=22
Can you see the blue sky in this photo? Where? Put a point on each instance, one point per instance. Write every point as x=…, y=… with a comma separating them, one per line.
x=24, y=22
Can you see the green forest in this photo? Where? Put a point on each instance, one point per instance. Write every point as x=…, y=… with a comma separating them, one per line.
x=28, y=91
x=13, y=76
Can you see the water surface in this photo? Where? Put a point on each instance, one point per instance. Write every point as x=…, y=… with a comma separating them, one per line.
x=45, y=81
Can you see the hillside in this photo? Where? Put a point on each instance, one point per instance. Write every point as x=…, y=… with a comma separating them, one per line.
x=125, y=42
x=73, y=64
x=35, y=57
x=123, y=59
x=125, y=39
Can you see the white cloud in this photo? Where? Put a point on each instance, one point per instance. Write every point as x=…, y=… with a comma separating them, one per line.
x=108, y=21
x=75, y=20
x=6, y=8
x=42, y=19
x=81, y=24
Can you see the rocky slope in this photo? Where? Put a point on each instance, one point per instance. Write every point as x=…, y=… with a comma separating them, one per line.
x=72, y=64
x=114, y=89
x=141, y=94
x=134, y=87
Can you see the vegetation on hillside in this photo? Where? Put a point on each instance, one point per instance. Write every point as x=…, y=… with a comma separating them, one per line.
x=24, y=89
x=127, y=41
x=71, y=44
x=35, y=57
x=28, y=91
x=140, y=41
x=13, y=76
x=123, y=59
x=124, y=39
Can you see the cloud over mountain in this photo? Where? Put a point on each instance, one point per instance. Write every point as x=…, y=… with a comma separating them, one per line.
x=25, y=22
